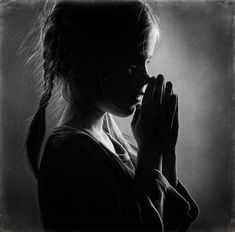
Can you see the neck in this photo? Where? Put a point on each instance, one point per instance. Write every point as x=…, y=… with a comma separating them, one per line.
x=92, y=121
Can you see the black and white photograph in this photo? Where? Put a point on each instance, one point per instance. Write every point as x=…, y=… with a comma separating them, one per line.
x=117, y=116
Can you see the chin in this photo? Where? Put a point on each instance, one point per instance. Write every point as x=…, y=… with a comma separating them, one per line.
x=125, y=112
x=120, y=111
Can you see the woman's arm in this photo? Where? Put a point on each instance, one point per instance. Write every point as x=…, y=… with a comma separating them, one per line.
x=152, y=123
x=175, y=206
x=169, y=168
x=155, y=127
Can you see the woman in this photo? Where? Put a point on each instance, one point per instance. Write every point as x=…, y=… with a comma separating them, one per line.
x=90, y=178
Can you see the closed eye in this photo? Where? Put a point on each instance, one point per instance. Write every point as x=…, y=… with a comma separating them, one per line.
x=132, y=66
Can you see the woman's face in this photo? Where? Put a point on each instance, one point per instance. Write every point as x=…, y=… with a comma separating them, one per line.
x=124, y=78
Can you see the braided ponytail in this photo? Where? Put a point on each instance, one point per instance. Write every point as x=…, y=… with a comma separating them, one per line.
x=37, y=126
x=47, y=51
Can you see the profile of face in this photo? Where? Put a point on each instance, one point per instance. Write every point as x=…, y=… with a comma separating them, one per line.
x=110, y=52
x=122, y=83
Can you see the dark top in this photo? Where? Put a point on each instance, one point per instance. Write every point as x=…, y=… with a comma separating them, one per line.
x=83, y=186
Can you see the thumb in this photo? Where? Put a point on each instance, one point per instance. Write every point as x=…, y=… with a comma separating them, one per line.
x=136, y=115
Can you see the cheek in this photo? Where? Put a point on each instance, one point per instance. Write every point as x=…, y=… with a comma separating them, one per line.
x=120, y=87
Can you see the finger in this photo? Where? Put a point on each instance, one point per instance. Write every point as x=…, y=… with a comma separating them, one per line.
x=175, y=129
x=147, y=99
x=169, y=88
x=168, y=92
x=171, y=110
x=136, y=115
x=159, y=90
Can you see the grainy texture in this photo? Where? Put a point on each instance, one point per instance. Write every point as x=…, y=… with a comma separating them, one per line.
x=195, y=52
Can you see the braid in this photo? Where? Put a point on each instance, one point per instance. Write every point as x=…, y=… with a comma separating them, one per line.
x=37, y=127
x=49, y=77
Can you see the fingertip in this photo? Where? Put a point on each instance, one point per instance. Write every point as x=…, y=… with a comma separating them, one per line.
x=152, y=79
x=169, y=87
x=160, y=78
x=169, y=84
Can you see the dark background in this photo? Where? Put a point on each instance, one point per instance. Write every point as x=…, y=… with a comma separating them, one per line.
x=195, y=52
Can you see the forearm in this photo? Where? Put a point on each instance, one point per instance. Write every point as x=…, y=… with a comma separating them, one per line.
x=170, y=203
x=150, y=187
x=169, y=167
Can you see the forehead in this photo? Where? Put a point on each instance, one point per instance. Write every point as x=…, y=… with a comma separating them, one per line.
x=153, y=35
x=146, y=48
x=131, y=51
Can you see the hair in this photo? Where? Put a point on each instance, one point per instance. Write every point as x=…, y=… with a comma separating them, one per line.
x=64, y=58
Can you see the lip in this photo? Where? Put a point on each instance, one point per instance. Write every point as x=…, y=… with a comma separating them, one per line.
x=137, y=99
x=140, y=94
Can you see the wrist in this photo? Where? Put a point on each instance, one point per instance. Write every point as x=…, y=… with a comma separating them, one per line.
x=169, y=156
x=171, y=150
x=169, y=169
x=149, y=148
x=149, y=159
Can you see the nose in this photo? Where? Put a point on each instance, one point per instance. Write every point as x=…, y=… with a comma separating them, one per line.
x=144, y=77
